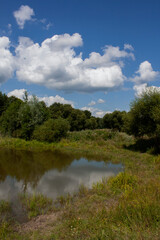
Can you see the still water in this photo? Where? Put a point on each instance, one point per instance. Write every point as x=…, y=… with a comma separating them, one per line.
x=50, y=173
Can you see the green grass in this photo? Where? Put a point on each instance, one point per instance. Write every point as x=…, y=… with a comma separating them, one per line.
x=7, y=232
x=36, y=204
x=123, y=181
x=20, y=144
x=73, y=140
x=125, y=207
x=4, y=207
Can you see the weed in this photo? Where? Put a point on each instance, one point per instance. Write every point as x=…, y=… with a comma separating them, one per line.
x=36, y=204
x=124, y=207
x=63, y=200
x=4, y=229
x=4, y=207
x=83, y=190
x=139, y=208
x=123, y=181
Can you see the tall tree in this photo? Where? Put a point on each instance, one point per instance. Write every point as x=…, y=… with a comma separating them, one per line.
x=145, y=114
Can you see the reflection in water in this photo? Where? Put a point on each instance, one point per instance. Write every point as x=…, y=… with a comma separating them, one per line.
x=49, y=173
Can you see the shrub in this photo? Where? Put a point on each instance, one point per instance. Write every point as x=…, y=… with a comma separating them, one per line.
x=52, y=130
x=139, y=208
x=122, y=181
x=145, y=114
x=31, y=114
x=9, y=120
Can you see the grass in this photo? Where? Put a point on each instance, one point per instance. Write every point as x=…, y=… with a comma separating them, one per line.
x=126, y=206
x=123, y=181
x=36, y=204
x=20, y=144
x=4, y=207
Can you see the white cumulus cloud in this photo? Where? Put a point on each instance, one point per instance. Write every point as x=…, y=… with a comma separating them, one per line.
x=141, y=88
x=7, y=64
x=23, y=14
x=95, y=111
x=19, y=93
x=56, y=65
x=145, y=73
x=51, y=99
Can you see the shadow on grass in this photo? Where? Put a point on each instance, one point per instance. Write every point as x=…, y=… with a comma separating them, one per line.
x=149, y=145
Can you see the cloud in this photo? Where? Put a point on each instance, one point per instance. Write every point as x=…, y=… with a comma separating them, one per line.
x=140, y=89
x=22, y=15
x=54, y=64
x=47, y=27
x=128, y=47
x=100, y=101
x=110, y=57
x=9, y=26
x=7, y=64
x=92, y=103
x=145, y=73
x=50, y=100
x=95, y=111
x=19, y=93
x=100, y=113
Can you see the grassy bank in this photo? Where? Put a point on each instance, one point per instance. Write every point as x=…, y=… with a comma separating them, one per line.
x=125, y=207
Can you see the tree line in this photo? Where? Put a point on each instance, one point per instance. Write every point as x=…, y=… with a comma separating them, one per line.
x=32, y=119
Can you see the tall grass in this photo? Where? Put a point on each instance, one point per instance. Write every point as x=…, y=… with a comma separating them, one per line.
x=125, y=207
x=36, y=204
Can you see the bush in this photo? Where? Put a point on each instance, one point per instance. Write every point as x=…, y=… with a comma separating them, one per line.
x=145, y=114
x=116, y=120
x=31, y=114
x=52, y=130
x=122, y=181
x=9, y=120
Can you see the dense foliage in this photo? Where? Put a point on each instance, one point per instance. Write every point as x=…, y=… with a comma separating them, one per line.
x=9, y=120
x=52, y=130
x=116, y=120
x=145, y=114
x=32, y=119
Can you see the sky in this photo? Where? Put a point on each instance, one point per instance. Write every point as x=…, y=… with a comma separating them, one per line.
x=96, y=55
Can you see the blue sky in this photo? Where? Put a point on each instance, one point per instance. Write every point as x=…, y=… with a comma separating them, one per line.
x=94, y=54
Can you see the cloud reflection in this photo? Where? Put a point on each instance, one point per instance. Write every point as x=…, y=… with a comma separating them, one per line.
x=54, y=183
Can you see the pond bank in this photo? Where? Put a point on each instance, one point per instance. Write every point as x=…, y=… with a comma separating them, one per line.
x=125, y=207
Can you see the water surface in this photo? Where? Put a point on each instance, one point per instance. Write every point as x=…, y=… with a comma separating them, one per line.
x=50, y=173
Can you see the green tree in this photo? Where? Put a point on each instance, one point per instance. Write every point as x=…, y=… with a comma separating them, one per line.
x=91, y=123
x=52, y=130
x=145, y=114
x=9, y=121
x=115, y=120
x=58, y=110
x=77, y=120
x=4, y=102
x=87, y=113
x=99, y=123
x=30, y=114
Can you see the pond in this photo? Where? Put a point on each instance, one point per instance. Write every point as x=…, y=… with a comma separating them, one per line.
x=50, y=173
